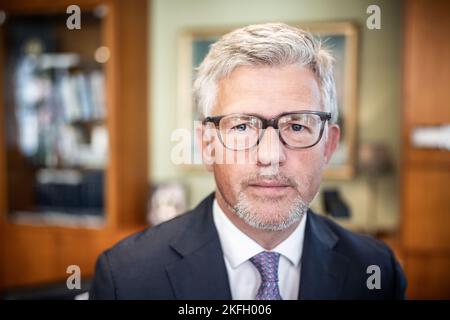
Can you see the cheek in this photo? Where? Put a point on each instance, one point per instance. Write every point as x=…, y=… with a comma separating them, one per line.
x=307, y=169
x=227, y=179
x=307, y=162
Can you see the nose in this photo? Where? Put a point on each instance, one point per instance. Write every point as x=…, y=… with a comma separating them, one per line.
x=270, y=149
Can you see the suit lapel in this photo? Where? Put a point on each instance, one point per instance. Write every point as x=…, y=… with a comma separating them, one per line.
x=323, y=269
x=201, y=271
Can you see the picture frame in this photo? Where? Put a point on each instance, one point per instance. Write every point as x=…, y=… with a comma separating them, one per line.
x=166, y=200
x=341, y=38
x=193, y=45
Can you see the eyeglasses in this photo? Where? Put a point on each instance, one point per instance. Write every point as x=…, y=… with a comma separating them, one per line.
x=296, y=130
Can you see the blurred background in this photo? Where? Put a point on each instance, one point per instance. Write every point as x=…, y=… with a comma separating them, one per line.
x=91, y=95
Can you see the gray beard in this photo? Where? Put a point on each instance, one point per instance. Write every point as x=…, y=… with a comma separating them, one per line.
x=244, y=211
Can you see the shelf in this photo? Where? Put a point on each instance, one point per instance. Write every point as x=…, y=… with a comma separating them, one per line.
x=55, y=111
x=86, y=220
x=93, y=115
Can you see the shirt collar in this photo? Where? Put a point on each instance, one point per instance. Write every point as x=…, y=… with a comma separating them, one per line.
x=231, y=237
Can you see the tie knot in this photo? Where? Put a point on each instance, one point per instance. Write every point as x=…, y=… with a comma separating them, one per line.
x=267, y=265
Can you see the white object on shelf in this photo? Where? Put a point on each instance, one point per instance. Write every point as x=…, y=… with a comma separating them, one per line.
x=431, y=137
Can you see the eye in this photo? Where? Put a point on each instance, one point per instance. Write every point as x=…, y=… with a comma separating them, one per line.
x=240, y=127
x=296, y=127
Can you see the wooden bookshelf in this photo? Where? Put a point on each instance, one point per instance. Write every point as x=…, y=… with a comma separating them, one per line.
x=39, y=253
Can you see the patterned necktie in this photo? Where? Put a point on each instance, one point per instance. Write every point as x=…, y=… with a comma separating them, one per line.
x=267, y=265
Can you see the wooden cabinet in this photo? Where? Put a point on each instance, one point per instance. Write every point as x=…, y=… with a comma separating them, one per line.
x=34, y=253
x=427, y=209
x=425, y=221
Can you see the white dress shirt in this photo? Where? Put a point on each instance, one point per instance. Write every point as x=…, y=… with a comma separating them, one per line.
x=238, y=248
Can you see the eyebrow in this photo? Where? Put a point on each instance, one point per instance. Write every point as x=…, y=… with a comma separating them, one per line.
x=276, y=116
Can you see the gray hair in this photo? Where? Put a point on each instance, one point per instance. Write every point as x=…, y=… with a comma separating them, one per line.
x=270, y=44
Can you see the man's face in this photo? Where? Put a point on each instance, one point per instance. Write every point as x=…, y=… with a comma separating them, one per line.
x=272, y=189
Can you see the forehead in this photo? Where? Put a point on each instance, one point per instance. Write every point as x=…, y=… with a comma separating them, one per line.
x=268, y=91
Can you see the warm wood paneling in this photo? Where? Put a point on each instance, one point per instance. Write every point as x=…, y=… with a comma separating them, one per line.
x=427, y=63
x=425, y=201
x=131, y=107
x=426, y=75
x=38, y=255
x=428, y=276
x=426, y=209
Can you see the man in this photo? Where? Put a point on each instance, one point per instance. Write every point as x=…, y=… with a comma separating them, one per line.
x=267, y=97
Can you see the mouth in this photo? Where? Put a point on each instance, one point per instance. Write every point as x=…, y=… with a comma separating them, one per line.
x=269, y=188
x=269, y=184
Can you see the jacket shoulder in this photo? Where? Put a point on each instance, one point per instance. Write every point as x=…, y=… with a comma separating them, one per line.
x=355, y=243
x=365, y=255
x=152, y=240
x=134, y=267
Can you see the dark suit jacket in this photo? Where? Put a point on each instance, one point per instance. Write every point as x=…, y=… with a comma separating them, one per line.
x=183, y=259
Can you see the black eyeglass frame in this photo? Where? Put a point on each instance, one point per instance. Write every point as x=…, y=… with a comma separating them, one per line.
x=324, y=117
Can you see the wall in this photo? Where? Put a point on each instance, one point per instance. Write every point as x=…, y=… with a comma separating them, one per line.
x=379, y=85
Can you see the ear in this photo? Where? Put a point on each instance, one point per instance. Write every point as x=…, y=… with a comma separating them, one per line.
x=205, y=139
x=332, y=141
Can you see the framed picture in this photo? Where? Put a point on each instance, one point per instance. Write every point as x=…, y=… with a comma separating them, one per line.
x=193, y=47
x=166, y=201
x=341, y=38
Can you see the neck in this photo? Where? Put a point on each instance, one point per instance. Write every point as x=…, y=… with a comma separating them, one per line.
x=268, y=239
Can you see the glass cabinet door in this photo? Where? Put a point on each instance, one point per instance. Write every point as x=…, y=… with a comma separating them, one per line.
x=55, y=117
